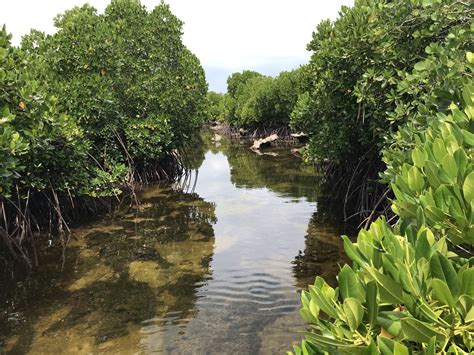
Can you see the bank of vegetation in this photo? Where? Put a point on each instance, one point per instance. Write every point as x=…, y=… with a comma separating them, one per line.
x=86, y=113
x=359, y=87
x=387, y=100
x=391, y=96
x=256, y=102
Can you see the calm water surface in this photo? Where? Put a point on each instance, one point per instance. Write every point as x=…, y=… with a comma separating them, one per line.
x=214, y=265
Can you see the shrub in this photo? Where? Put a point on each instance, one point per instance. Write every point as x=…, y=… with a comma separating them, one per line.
x=215, y=107
x=127, y=78
x=259, y=102
x=42, y=148
x=366, y=78
x=411, y=286
x=360, y=87
x=84, y=112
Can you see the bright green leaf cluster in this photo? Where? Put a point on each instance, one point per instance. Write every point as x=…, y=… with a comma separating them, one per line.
x=41, y=147
x=127, y=78
x=435, y=186
x=379, y=63
x=410, y=289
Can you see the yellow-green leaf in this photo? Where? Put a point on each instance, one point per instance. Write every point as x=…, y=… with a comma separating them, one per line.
x=354, y=312
x=419, y=332
x=415, y=179
x=442, y=293
x=468, y=188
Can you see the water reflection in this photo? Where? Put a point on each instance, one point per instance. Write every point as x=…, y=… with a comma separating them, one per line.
x=216, y=269
x=277, y=170
x=323, y=253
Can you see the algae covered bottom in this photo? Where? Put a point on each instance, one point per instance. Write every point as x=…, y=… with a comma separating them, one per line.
x=212, y=264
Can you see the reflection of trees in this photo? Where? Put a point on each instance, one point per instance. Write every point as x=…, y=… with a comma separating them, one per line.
x=286, y=174
x=143, y=263
x=282, y=172
x=324, y=252
x=194, y=152
x=7, y=280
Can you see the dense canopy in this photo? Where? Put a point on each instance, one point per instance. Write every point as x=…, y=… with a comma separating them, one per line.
x=89, y=110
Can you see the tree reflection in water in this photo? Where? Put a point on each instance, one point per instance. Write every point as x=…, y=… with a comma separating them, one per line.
x=167, y=276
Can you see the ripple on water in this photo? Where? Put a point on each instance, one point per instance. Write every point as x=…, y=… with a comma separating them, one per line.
x=215, y=271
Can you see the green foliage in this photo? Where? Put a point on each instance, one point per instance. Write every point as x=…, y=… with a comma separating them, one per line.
x=236, y=81
x=272, y=103
x=251, y=103
x=106, y=99
x=41, y=147
x=215, y=106
x=365, y=76
x=121, y=88
x=227, y=109
x=398, y=294
x=434, y=186
x=393, y=75
x=410, y=290
x=237, y=94
x=126, y=70
x=256, y=101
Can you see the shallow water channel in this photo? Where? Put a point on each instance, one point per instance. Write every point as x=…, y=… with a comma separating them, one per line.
x=213, y=264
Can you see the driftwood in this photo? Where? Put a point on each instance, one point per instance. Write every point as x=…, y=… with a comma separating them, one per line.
x=272, y=154
x=264, y=142
x=243, y=132
x=296, y=152
x=301, y=137
x=217, y=127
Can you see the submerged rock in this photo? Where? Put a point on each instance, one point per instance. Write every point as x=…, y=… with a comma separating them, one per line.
x=217, y=138
x=97, y=274
x=264, y=142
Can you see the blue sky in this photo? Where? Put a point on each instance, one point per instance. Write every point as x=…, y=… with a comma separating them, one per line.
x=227, y=36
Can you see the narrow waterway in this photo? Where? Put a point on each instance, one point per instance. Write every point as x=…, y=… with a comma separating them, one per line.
x=211, y=265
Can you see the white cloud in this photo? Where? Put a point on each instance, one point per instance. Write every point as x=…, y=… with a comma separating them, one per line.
x=234, y=35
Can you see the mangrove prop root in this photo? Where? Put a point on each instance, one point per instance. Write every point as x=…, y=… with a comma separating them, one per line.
x=26, y=215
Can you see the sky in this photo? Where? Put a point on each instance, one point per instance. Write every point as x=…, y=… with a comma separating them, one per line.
x=227, y=36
